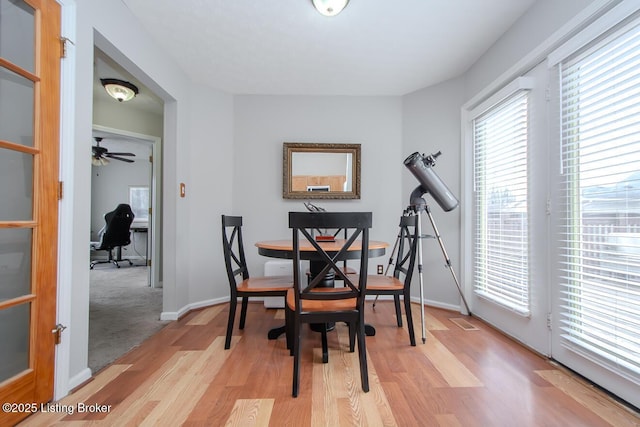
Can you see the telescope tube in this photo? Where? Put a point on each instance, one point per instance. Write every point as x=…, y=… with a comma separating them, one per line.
x=430, y=181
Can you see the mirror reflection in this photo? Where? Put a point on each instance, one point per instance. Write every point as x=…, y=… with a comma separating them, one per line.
x=321, y=171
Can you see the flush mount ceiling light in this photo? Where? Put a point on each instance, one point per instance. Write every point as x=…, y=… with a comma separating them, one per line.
x=119, y=89
x=330, y=7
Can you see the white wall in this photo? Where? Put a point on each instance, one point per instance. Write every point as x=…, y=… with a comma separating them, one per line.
x=121, y=116
x=431, y=123
x=263, y=123
x=109, y=25
x=209, y=192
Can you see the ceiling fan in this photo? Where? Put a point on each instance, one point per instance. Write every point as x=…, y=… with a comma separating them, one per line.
x=100, y=155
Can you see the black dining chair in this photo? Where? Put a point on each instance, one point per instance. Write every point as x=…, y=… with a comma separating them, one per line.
x=311, y=301
x=240, y=283
x=399, y=284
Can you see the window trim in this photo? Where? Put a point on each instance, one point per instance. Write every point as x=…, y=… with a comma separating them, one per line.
x=510, y=91
x=626, y=10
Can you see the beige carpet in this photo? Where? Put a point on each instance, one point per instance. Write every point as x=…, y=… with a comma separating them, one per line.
x=123, y=312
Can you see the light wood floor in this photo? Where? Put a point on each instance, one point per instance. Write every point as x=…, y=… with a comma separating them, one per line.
x=466, y=374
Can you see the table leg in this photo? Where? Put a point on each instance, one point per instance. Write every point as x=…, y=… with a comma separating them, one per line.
x=276, y=332
x=315, y=267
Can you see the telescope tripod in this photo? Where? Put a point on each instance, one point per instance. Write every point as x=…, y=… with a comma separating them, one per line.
x=416, y=210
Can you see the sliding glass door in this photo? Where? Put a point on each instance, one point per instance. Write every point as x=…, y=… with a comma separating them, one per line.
x=597, y=301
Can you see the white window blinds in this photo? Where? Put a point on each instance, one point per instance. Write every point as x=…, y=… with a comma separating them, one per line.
x=600, y=253
x=500, y=244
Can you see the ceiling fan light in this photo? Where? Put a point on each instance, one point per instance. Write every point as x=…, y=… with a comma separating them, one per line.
x=119, y=89
x=329, y=7
x=99, y=161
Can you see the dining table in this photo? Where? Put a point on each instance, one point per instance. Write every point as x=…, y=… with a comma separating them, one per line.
x=283, y=249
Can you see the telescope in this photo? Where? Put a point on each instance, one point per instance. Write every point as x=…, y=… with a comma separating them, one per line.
x=421, y=167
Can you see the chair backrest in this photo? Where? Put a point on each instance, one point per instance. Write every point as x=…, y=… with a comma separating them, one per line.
x=357, y=225
x=117, y=227
x=233, y=247
x=407, y=248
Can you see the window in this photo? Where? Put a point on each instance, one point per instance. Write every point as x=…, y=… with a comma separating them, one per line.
x=500, y=241
x=139, y=201
x=600, y=239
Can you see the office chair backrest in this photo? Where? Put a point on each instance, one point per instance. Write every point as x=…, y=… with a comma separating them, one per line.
x=357, y=225
x=117, y=229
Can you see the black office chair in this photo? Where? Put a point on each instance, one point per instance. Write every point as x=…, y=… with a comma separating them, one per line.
x=396, y=285
x=312, y=302
x=246, y=287
x=114, y=235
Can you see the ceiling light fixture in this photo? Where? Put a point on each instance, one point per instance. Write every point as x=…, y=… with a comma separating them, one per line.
x=99, y=161
x=119, y=89
x=330, y=7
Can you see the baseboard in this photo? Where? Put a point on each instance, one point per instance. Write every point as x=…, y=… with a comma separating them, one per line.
x=80, y=378
x=175, y=315
x=430, y=303
x=437, y=304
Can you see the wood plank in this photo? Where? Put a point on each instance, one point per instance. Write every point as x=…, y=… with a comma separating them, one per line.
x=456, y=378
x=453, y=371
x=106, y=376
x=447, y=420
x=590, y=398
x=251, y=412
x=205, y=316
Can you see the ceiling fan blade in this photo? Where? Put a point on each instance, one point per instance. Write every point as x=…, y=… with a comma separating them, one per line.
x=120, y=158
x=121, y=154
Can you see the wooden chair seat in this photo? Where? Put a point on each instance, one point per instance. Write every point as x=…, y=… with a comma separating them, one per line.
x=318, y=306
x=266, y=284
x=381, y=283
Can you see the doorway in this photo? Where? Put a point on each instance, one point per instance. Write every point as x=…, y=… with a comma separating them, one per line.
x=126, y=296
x=125, y=300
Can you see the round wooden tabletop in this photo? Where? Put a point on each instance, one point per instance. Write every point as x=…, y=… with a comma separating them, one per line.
x=284, y=248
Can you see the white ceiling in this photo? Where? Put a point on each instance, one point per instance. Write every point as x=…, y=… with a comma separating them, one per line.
x=282, y=47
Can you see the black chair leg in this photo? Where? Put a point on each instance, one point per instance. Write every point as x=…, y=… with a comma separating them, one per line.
x=288, y=328
x=407, y=310
x=352, y=337
x=232, y=315
x=362, y=353
x=296, y=358
x=396, y=300
x=243, y=311
x=325, y=346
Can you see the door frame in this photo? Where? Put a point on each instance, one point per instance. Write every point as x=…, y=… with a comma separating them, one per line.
x=532, y=329
x=155, y=189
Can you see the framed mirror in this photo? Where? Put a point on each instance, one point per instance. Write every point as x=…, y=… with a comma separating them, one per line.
x=320, y=171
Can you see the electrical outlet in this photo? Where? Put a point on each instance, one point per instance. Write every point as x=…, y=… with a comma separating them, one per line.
x=380, y=271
